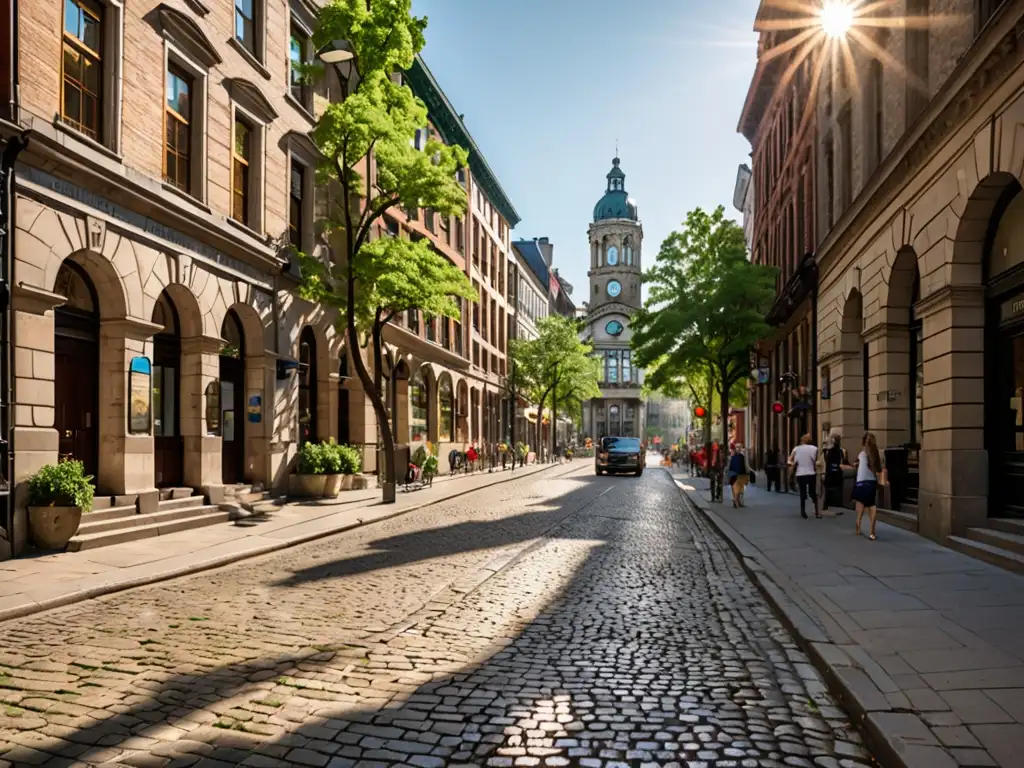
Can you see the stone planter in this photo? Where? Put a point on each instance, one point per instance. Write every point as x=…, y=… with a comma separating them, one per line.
x=346, y=482
x=361, y=482
x=53, y=527
x=307, y=486
x=332, y=485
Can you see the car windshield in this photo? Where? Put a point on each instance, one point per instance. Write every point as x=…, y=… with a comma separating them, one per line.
x=622, y=444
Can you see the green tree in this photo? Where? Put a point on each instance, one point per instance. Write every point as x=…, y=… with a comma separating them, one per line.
x=555, y=363
x=373, y=281
x=705, y=310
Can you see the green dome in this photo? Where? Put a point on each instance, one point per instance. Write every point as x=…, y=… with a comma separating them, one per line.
x=615, y=204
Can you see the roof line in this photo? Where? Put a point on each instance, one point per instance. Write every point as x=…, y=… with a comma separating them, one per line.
x=454, y=130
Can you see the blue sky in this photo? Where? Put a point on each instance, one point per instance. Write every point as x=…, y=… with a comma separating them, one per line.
x=547, y=86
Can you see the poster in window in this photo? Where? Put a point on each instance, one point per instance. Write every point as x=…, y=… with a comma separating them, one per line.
x=140, y=396
x=213, y=408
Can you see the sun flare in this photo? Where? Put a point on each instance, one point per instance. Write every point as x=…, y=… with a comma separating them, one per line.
x=836, y=18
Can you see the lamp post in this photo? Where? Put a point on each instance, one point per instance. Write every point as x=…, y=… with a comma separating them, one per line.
x=342, y=56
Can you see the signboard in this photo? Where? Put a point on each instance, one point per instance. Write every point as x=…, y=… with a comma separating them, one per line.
x=764, y=374
x=140, y=396
x=254, y=408
x=1011, y=310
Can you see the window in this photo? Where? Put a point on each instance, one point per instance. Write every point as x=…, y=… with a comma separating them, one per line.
x=391, y=226
x=627, y=370
x=846, y=170
x=877, y=112
x=447, y=403
x=830, y=184
x=446, y=333
x=296, y=186
x=417, y=408
x=178, y=129
x=413, y=321
x=432, y=329
x=307, y=387
x=613, y=367
x=240, y=155
x=82, y=98
x=460, y=236
x=245, y=24
x=298, y=53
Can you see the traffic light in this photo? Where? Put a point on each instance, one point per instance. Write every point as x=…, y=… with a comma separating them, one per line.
x=700, y=412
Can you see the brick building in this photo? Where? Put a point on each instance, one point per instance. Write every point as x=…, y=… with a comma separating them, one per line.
x=779, y=124
x=156, y=330
x=921, y=271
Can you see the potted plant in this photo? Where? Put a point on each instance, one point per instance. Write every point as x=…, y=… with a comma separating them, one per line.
x=351, y=465
x=310, y=478
x=58, y=494
x=333, y=476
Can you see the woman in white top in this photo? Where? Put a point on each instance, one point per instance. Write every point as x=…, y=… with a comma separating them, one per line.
x=865, y=491
x=804, y=460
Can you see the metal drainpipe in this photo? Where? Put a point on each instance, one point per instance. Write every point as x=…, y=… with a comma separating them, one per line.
x=8, y=222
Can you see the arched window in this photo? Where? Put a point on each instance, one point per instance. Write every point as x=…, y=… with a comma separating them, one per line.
x=307, y=386
x=417, y=408
x=447, y=403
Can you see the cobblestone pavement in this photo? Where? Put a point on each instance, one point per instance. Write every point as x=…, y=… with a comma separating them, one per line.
x=555, y=621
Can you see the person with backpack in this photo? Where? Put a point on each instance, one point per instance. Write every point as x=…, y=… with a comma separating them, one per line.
x=739, y=474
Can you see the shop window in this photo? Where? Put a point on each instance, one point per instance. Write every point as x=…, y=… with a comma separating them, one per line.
x=418, y=408
x=447, y=407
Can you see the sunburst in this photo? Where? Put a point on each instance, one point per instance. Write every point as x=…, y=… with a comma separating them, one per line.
x=827, y=32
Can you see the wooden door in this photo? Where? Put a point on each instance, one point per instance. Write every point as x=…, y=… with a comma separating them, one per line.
x=232, y=420
x=168, y=443
x=1007, y=461
x=76, y=397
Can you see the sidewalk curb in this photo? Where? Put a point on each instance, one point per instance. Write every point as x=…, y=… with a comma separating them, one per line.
x=891, y=734
x=71, y=598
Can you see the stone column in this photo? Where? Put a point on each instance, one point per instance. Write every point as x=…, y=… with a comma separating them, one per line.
x=889, y=371
x=200, y=366
x=954, y=463
x=400, y=419
x=846, y=406
x=260, y=376
x=362, y=423
x=329, y=401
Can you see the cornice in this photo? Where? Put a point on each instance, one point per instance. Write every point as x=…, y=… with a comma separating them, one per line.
x=992, y=57
x=453, y=130
x=614, y=307
x=950, y=296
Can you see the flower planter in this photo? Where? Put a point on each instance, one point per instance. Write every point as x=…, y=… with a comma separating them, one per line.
x=307, y=486
x=332, y=485
x=53, y=527
x=346, y=482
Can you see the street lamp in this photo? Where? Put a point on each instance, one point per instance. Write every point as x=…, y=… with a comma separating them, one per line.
x=342, y=56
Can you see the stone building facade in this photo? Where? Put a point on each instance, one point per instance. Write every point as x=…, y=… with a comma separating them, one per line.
x=777, y=119
x=157, y=332
x=920, y=335
x=616, y=240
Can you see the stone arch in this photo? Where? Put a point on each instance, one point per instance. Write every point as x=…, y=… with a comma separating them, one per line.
x=903, y=286
x=252, y=327
x=186, y=304
x=110, y=293
x=976, y=226
x=462, y=411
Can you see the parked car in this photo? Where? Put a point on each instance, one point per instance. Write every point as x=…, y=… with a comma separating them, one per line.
x=620, y=454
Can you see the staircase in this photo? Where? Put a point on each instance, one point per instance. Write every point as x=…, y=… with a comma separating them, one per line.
x=250, y=498
x=116, y=519
x=906, y=516
x=1001, y=543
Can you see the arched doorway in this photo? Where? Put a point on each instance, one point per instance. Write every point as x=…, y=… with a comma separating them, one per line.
x=446, y=409
x=1004, y=358
x=232, y=400
x=344, y=433
x=168, y=443
x=76, y=367
x=307, y=387
x=419, y=408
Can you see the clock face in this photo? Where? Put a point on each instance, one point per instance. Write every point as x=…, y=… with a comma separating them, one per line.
x=614, y=328
x=613, y=256
x=614, y=288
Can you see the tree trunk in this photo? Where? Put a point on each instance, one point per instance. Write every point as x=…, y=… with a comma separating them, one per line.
x=554, y=423
x=388, y=485
x=540, y=428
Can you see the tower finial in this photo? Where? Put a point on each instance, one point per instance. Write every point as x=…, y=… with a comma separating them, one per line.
x=616, y=147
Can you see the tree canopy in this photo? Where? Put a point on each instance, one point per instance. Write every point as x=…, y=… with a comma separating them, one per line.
x=705, y=310
x=373, y=279
x=556, y=367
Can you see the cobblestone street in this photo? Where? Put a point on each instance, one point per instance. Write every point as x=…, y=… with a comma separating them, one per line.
x=558, y=620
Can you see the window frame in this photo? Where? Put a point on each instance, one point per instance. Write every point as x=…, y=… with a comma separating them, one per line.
x=170, y=114
x=259, y=30
x=304, y=98
x=254, y=219
x=110, y=81
x=297, y=228
x=175, y=57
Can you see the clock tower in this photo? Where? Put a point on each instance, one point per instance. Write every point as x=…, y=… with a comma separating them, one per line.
x=616, y=237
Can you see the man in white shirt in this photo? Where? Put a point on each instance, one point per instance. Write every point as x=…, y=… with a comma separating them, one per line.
x=804, y=459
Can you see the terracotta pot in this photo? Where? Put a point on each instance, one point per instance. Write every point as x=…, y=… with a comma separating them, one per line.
x=53, y=527
x=306, y=486
x=346, y=482
x=332, y=485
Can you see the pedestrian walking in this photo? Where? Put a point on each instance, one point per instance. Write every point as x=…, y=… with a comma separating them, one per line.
x=739, y=475
x=803, y=463
x=716, y=470
x=870, y=473
x=773, y=469
x=835, y=460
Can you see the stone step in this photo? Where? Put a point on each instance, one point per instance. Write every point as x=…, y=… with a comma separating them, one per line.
x=175, y=493
x=910, y=508
x=184, y=502
x=900, y=519
x=109, y=513
x=1007, y=525
x=1013, y=542
x=201, y=517
x=993, y=555
x=89, y=526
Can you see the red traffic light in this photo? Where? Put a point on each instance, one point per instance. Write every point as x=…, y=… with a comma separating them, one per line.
x=699, y=412
x=777, y=407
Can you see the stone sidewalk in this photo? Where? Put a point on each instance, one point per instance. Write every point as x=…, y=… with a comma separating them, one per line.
x=33, y=584
x=925, y=645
